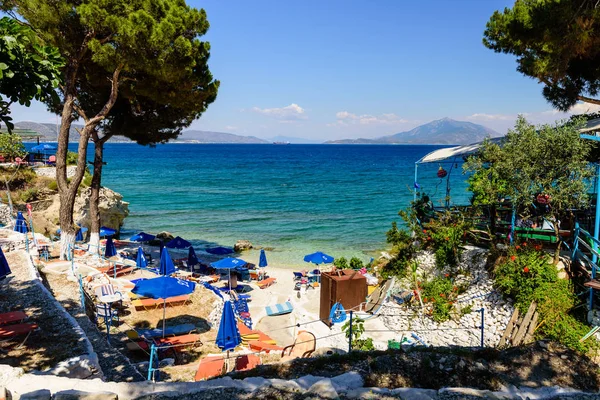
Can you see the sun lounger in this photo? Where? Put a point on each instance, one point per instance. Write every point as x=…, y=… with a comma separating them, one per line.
x=247, y=362
x=176, y=330
x=303, y=347
x=266, y=283
x=260, y=346
x=279, y=309
x=10, y=331
x=182, y=341
x=152, y=304
x=210, y=367
x=12, y=317
x=298, y=275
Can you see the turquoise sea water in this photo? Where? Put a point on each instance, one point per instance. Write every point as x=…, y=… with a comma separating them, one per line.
x=297, y=199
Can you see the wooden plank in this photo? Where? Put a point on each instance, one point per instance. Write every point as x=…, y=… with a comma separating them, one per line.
x=530, y=331
x=524, y=325
x=594, y=284
x=504, y=340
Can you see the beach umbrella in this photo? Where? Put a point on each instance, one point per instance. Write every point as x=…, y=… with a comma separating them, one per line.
x=140, y=259
x=142, y=237
x=221, y=251
x=228, y=336
x=192, y=258
x=262, y=261
x=166, y=264
x=4, y=268
x=318, y=258
x=110, y=249
x=104, y=231
x=178, y=243
x=43, y=147
x=228, y=264
x=163, y=287
x=20, y=223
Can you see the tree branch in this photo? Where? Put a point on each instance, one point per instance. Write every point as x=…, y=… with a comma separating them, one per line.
x=111, y=99
x=81, y=113
x=588, y=100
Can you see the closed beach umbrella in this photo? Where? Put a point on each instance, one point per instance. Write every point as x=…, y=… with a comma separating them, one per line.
x=4, y=268
x=228, y=336
x=110, y=249
x=318, y=258
x=166, y=264
x=140, y=259
x=142, y=237
x=262, y=261
x=20, y=223
x=228, y=264
x=104, y=231
x=178, y=243
x=79, y=234
x=163, y=287
x=221, y=251
x=192, y=258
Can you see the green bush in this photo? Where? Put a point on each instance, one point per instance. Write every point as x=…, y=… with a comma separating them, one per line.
x=52, y=185
x=28, y=195
x=341, y=263
x=446, y=236
x=441, y=293
x=356, y=263
x=358, y=328
x=71, y=158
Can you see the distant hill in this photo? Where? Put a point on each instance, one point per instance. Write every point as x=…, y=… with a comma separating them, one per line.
x=193, y=136
x=48, y=130
x=441, y=131
x=291, y=139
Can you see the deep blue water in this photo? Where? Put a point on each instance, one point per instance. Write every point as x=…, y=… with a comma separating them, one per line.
x=340, y=199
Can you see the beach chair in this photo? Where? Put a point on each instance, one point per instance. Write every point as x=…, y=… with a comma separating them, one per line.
x=279, y=309
x=182, y=342
x=9, y=332
x=177, y=330
x=261, y=346
x=298, y=275
x=247, y=362
x=304, y=345
x=12, y=317
x=266, y=283
x=152, y=304
x=210, y=367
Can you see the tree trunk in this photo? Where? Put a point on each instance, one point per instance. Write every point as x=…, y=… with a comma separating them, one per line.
x=94, y=244
x=558, y=240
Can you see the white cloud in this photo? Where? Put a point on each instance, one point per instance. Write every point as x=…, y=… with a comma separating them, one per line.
x=231, y=128
x=287, y=113
x=347, y=118
x=584, y=108
x=489, y=117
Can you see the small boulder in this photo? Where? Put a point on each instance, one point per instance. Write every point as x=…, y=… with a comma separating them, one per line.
x=165, y=236
x=324, y=389
x=42, y=394
x=81, y=395
x=242, y=245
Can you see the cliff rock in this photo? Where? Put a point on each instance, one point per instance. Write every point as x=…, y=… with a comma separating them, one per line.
x=113, y=210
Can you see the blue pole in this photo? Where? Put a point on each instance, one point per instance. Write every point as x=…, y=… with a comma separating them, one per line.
x=512, y=225
x=596, y=232
x=415, y=183
x=350, y=333
x=151, y=363
x=82, y=296
x=482, y=310
x=27, y=242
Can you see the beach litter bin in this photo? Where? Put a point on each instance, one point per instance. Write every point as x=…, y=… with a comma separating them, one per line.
x=347, y=287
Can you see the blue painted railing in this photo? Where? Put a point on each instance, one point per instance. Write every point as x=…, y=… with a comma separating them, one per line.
x=582, y=240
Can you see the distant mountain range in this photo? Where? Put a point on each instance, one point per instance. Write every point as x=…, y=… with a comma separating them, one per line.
x=441, y=131
x=292, y=140
x=193, y=136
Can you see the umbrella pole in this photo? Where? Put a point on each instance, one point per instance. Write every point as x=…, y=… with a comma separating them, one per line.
x=164, y=314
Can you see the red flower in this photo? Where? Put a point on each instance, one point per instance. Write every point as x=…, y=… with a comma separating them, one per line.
x=447, y=238
x=418, y=283
x=526, y=269
x=428, y=237
x=442, y=295
x=524, y=244
x=415, y=292
x=446, y=275
x=538, y=247
x=454, y=288
x=518, y=247
x=424, y=230
x=513, y=258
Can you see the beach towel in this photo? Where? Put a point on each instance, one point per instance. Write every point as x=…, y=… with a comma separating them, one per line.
x=337, y=314
x=279, y=309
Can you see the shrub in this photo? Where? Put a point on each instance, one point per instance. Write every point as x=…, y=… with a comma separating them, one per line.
x=358, y=328
x=341, y=263
x=356, y=263
x=446, y=236
x=28, y=195
x=441, y=293
x=71, y=158
x=52, y=185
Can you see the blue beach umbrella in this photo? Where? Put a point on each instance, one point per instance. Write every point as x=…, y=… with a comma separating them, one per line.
x=142, y=237
x=221, y=251
x=43, y=147
x=140, y=259
x=163, y=287
x=166, y=264
x=228, y=336
x=228, y=264
x=20, y=223
x=262, y=261
x=110, y=249
x=104, y=231
x=4, y=268
x=192, y=258
x=318, y=258
x=178, y=243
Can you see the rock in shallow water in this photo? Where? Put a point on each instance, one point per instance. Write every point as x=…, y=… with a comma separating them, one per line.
x=242, y=245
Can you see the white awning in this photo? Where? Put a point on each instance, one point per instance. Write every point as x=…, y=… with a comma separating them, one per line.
x=591, y=125
x=453, y=152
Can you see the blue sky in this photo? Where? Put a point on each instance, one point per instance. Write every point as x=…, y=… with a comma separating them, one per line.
x=347, y=69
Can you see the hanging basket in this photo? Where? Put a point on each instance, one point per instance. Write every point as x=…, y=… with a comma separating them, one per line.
x=442, y=173
x=543, y=199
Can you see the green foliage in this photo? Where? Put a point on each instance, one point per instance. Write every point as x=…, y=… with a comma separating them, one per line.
x=28, y=195
x=28, y=69
x=341, y=263
x=440, y=293
x=71, y=158
x=11, y=146
x=446, y=235
x=52, y=185
x=356, y=263
x=358, y=329
x=555, y=42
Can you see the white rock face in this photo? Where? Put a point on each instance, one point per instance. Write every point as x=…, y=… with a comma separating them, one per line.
x=460, y=330
x=113, y=210
x=50, y=172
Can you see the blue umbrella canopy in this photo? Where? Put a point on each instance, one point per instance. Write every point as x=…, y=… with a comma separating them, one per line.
x=163, y=287
x=192, y=258
x=20, y=223
x=140, y=259
x=110, y=249
x=4, y=268
x=166, y=264
x=178, y=243
x=221, y=251
x=142, y=237
x=262, y=261
x=228, y=263
x=104, y=231
x=318, y=258
x=228, y=336
x=43, y=147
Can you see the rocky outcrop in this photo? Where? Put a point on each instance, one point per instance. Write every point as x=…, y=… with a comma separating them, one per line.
x=5, y=215
x=242, y=245
x=165, y=236
x=113, y=210
x=50, y=172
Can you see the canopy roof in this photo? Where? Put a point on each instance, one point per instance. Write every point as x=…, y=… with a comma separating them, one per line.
x=453, y=152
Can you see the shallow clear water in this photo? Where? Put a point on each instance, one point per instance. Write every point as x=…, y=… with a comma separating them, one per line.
x=296, y=199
